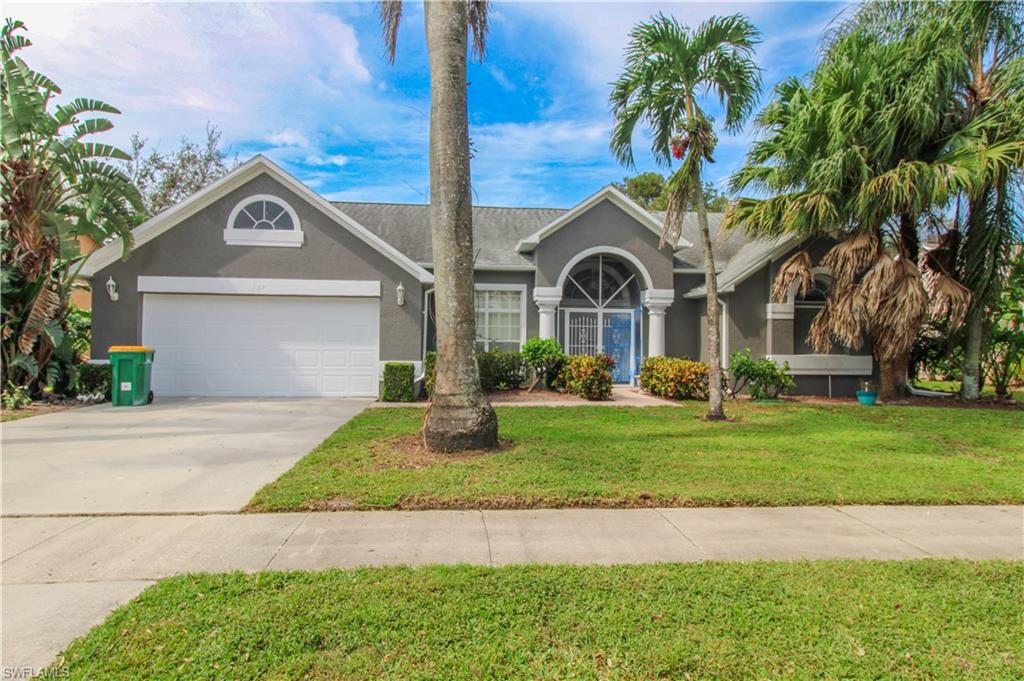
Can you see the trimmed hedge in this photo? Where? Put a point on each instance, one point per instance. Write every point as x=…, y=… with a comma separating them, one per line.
x=588, y=376
x=94, y=379
x=399, y=382
x=675, y=378
x=500, y=370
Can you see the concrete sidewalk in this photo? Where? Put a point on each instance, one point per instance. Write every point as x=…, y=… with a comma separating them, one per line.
x=61, y=575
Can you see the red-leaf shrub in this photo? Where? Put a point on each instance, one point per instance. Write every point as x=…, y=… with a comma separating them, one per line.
x=675, y=378
x=588, y=376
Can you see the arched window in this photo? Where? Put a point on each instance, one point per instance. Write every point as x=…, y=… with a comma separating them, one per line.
x=601, y=282
x=817, y=294
x=263, y=220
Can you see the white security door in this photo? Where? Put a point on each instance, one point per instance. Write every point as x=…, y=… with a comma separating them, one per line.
x=262, y=346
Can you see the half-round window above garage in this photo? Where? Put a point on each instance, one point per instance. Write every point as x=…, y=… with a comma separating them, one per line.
x=264, y=214
x=263, y=220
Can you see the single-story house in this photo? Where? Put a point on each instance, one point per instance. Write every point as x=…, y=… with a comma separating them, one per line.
x=258, y=286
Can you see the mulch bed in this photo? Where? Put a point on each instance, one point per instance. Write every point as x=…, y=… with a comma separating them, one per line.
x=949, y=402
x=539, y=394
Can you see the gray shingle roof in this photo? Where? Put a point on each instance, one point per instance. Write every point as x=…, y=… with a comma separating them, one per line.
x=747, y=260
x=497, y=230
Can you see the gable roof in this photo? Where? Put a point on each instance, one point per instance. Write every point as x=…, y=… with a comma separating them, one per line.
x=259, y=164
x=750, y=258
x=607, y=193
x=496, y=230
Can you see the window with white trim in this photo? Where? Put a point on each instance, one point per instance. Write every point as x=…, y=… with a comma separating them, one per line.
x=500, y=317
x=263, y=220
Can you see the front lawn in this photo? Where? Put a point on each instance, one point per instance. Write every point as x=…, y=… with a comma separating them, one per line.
x=829, y=619
x=775, y=454
x=954, y=387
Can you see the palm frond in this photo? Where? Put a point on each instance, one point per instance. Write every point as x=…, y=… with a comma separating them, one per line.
x=390, y=13
x=796, y=270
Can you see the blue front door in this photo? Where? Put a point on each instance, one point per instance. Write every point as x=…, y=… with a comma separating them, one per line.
x=617, y=342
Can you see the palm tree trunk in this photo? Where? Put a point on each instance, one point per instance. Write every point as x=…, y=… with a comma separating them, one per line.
x=460, y=416
x=716, y=409
x=970, y=385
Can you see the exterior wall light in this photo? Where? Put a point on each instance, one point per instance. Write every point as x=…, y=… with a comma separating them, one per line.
x=112, y=289
x=400, y=291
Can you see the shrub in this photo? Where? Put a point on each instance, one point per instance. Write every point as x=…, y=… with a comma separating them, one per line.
x=675, y=378
x=500, y=370
x=588, y=376
x=15, y=397
x=94, y=379
x=545, y=357
x=399, y=378
x=767, y=380
x=429, y=373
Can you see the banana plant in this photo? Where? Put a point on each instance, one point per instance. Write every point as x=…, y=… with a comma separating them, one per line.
x=57, y=185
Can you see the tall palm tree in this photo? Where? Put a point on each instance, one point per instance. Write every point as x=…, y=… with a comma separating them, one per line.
x=460, y=417
x=668, y=70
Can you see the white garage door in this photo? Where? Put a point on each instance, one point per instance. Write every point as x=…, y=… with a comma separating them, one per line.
x=262, y=346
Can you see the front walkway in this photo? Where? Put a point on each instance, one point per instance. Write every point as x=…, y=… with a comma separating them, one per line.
x=62, y=575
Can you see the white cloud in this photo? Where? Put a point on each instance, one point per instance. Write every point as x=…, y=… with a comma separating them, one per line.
x=288, y=138
x=332, y=160
x=248, y=68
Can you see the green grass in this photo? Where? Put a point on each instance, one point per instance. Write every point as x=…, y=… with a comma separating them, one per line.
x=954, y=387
x=777, y=454
x=14, y=415
x=830, y=619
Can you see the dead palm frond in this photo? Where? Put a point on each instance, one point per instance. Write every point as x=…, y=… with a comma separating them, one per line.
x=852, y=256
x=848, y=315
x=900, y=309
x=795, y=270
x=390, y=13
x=949, y=299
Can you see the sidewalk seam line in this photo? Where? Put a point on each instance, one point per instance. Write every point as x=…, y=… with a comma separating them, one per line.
x=487, y=537
x=290, y=535
x=66, y=529
x=684, y=535
x=880, y=530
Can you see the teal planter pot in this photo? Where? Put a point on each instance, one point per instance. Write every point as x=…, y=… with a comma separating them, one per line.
x=867, y=397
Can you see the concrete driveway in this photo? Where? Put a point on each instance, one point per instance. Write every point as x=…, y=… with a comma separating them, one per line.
x=176, y=455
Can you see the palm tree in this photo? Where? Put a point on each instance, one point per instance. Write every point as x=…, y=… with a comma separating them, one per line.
x=56, y=187
x=460, y=417
x=835, y=158
x=668, y=69
x=981, y=161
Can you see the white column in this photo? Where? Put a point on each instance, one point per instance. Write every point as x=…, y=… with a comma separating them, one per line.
x=656, y=301
x=547, y=299
x=655, y=330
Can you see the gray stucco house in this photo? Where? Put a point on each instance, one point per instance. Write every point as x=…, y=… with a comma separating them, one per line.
x=258, y=286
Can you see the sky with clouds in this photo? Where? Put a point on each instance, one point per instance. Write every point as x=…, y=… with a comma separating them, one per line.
x=309, y=86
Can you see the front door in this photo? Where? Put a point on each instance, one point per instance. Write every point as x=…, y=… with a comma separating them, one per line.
x=617, y=342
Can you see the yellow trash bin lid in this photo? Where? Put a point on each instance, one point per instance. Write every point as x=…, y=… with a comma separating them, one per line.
x=130, y=348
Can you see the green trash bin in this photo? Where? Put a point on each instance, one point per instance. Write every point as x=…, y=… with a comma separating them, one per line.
x=132, y=371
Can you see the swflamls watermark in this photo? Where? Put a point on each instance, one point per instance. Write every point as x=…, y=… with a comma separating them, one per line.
x=33, y=673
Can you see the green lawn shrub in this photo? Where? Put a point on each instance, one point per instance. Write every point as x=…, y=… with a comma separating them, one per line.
x=766, y=380
x=429, y=373
x=94, y=379
x=544, y=356
x=399, y=382
x=500, y=370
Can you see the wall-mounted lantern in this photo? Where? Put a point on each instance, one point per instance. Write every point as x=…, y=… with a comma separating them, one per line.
x=112, y=289
x=400, y=291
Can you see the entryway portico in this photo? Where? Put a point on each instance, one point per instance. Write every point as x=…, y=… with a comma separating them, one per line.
x=598, y=307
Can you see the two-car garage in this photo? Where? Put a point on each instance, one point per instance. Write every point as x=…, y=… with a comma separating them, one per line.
x=262, y=345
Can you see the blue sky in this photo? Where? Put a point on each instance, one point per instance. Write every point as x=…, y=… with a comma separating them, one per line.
x=308, y=85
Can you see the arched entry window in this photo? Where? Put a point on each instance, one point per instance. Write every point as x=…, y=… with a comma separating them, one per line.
x=601, y=303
